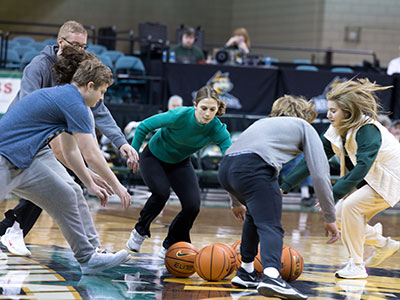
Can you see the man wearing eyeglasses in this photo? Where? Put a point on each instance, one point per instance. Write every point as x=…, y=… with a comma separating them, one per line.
x=38, y=74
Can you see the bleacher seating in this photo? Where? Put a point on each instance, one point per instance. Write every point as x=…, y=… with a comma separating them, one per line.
x=23, y=40
x=342, y=70
x=97, y=49
x=27, y=58
x=21, y=50
x=306, y=68
x=302, y=61
x=113, y=55
x=13, y=60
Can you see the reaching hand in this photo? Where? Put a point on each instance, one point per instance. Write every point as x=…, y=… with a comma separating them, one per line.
x=98, y=180
x=131, y=155
x=332, y=228
x=239, y=212
x=100, y=193
x=123, y=196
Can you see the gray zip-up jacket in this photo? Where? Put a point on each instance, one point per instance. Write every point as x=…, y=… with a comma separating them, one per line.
x=38, y=74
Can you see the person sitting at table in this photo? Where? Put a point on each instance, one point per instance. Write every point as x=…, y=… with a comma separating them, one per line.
x=240, y=40
x=186, y=52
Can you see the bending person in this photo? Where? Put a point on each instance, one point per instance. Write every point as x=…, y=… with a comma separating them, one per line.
x=38, y=74
x=369, y=172
x=34, y=121
x=249, y=172
x=165, y=163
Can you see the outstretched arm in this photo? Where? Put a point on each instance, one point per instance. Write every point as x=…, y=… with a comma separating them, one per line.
x=96, y=161
x=74, y=160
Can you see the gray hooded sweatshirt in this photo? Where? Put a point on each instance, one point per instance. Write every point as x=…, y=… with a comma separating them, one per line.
x=38, y=74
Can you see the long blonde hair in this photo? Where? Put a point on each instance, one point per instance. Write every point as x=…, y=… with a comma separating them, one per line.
x=291, y=106
x=357, y=99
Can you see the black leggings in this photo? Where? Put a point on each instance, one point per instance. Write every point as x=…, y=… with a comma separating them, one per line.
x=25, y=213
x=160, y=176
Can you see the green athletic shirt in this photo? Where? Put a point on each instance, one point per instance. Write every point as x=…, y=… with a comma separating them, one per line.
x=369, y=141
x=180, y=134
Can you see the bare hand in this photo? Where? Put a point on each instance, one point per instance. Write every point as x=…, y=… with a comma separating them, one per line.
x=123, y=196
x=239, y=212
x=332, y=228
x=98, y=180
x=100, y=193
x=131, y=155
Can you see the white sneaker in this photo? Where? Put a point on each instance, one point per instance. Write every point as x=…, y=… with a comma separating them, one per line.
x=162, y=252
x=380, y=254
x=135, y=241
x=352, y=271
x=101, y=261
x=13, y=239
x=378, y=227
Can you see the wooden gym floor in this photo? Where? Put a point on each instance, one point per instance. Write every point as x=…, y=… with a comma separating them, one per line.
x=52, y=272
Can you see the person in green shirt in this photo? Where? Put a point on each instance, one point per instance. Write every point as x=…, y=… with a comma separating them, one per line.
x=165, y=163
x=186, y=51
x=369, y=172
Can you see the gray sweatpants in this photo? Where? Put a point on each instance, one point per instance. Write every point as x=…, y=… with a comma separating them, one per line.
x=45, y=184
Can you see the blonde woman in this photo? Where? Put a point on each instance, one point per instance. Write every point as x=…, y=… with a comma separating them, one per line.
x=249, y=173
x=370, y=172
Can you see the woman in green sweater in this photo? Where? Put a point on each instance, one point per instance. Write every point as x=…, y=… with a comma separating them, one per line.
x=165, y=163
x=370, y=172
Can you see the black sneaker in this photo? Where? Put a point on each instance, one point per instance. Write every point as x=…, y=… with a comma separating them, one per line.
x=244, y=279
x=277, y=287
x=309, y=201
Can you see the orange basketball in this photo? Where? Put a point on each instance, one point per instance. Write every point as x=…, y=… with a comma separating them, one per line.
x=292, y=264
x=236, y=248
x=232, y=256
x=258, y=265
x=212, y=263
x=179, y=259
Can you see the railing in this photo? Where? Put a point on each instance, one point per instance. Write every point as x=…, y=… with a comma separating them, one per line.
x=328, y=51
x=88, y=27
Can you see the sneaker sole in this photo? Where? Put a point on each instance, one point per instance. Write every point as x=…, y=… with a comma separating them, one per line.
x=351, y=277
x=236, y=281
x=274, y=291
x=107, y=266
x=4, y=241
x=131, y=249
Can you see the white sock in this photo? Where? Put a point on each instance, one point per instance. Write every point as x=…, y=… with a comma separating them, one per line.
x=249, y=267
x=305, y=191
x=271, y=272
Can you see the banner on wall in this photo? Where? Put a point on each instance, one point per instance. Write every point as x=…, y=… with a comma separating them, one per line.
x=10, y=83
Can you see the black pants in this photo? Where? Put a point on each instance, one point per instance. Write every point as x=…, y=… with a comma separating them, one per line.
x=160, y=177
x=250, y=179
x=25, y=213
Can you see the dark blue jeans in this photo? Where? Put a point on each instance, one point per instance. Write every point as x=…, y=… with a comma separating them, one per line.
x=250, y=179
x=160, y=176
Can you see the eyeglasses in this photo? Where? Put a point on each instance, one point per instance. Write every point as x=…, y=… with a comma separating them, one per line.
x=76, y=45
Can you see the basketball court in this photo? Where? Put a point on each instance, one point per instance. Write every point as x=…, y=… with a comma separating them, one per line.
x=53, y=273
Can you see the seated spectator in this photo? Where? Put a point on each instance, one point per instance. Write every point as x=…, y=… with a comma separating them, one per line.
x=395, y=129
x=394, y=65
x=174, y=102
x=186, y=52
x=240, y=40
